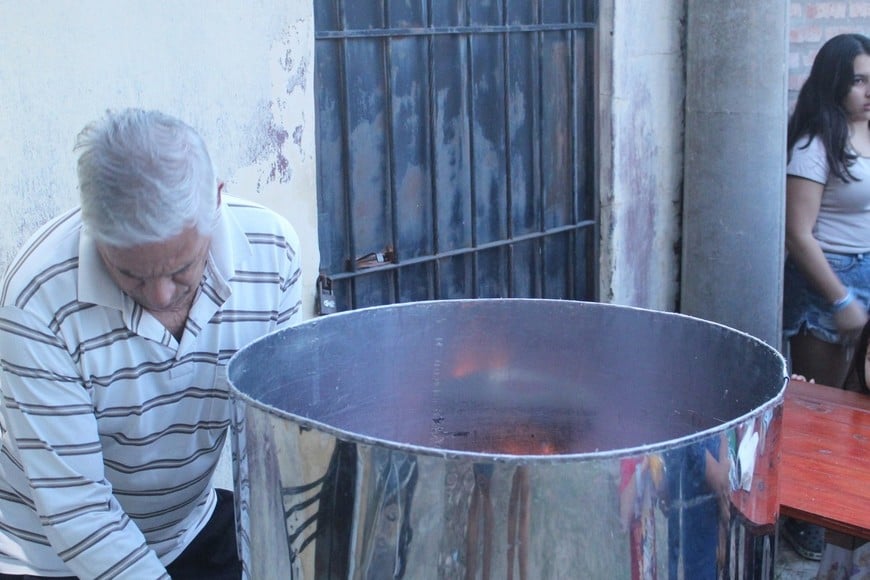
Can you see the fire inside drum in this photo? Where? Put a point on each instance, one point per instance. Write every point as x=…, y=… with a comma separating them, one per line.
x=468, y=438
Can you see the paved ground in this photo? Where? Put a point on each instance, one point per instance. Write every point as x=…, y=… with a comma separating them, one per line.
x=791, y=566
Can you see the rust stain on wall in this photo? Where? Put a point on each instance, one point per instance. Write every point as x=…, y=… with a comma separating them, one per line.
x=641, y=187
x=280, y=166
x=267, y=147
x=297, y=135
x=272, y=136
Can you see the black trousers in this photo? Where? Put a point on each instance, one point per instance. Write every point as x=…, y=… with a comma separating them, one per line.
x=212, y=554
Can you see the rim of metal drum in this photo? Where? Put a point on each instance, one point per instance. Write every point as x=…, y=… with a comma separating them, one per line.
x=355, y=437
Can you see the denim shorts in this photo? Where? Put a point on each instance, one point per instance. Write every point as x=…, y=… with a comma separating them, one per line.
x=803, y=309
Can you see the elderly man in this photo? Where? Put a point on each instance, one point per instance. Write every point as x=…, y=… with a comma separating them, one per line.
x=116, y=323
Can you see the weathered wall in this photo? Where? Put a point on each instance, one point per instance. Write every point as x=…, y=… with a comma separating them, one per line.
x=733, y=203
x=239, y=72
x=641, y=119
x=641, y=92
x=242, y=73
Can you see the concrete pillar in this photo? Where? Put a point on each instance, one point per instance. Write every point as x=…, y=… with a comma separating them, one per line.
x=734, y=187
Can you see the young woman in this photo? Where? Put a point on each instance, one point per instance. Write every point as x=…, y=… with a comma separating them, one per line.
x=827, y=271
x=827, y=275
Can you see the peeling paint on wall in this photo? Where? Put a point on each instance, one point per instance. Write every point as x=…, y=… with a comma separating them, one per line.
x=280, y=167
x=640, y=225
x=297, y=75
x=273, y=146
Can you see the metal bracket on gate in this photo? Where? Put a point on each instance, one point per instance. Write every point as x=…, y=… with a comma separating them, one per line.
x=374, y=259
x=324, y=299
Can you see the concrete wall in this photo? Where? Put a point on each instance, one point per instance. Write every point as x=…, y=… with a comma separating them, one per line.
x=641, y=94
x=642, y=69
x=239, y=72
x=733, y=202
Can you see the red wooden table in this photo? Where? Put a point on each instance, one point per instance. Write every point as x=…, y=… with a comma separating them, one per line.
x=825, y=470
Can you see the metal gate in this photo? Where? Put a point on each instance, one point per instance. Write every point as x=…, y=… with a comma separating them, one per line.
x=454, y=150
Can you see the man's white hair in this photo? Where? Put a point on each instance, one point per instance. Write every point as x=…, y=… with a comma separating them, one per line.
x=144, y=177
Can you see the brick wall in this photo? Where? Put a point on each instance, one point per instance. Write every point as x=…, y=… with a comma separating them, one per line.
x=811, y=23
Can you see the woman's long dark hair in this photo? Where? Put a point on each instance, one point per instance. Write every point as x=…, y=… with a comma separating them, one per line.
x=819, y=108
x=859, y=357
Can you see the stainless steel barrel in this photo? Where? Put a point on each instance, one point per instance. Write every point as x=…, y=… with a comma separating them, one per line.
x=507, y=438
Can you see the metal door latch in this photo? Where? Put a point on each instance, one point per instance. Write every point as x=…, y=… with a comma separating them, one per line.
x=325, y=299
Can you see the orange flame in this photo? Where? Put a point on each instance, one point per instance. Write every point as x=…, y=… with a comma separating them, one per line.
x=471, y=361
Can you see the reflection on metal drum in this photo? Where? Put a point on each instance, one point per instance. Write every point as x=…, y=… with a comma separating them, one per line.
x=507, y=438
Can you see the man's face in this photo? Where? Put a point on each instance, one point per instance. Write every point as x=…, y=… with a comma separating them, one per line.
x=162, y=277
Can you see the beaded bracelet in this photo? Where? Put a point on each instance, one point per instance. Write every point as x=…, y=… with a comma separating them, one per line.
x=844, y=301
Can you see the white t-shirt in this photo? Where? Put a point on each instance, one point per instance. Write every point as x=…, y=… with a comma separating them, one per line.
x=111, y=428
x=843, y=223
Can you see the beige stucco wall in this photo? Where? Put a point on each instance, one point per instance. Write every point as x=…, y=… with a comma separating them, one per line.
x=239, y=72
x=641, y=79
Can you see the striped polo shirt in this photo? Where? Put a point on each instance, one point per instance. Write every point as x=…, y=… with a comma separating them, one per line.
x=111, y=428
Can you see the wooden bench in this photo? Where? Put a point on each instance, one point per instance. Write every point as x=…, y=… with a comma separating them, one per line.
x=824, y=476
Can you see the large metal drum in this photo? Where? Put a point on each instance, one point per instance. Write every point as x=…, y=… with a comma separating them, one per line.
x=507, y=438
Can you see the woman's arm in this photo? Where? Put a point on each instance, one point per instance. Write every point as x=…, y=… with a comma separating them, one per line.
x=803, y=199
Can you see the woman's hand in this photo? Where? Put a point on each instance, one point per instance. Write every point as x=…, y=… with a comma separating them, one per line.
x=850, y=320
